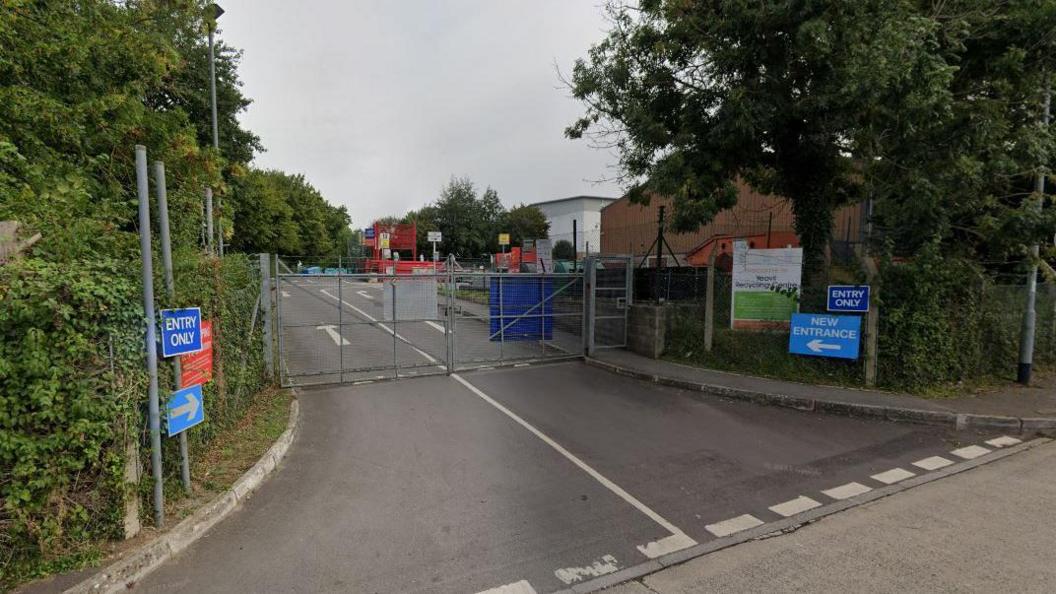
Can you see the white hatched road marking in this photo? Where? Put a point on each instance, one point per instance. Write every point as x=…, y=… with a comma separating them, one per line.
x=847, y=491
x=606, y=564
x=893, y=476
x=733, y=525
x=652, y=550
x=435, y=326
x=364, y=294
x=933, y=463
x=521, y=587
x=795, y=506
x=1003, y=442
x=334, y=335
x=970, y=452
x=427, y=356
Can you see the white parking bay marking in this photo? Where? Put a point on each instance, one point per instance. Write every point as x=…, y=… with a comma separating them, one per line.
x=970, y=452
x=890, y=477
x=521, y=587
x=932, y=463
x=847, y=491
x=733, y=525
x=795, y=506
x=652, y=550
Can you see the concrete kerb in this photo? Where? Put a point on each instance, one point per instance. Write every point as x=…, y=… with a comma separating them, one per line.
x=771, y=529
x=891, y=413
x=135, y=565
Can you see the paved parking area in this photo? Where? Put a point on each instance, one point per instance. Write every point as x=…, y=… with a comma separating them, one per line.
x=531, y=480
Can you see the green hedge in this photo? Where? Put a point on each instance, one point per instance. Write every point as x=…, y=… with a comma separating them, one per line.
x=73, y=395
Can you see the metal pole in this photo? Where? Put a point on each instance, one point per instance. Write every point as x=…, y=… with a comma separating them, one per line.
x=209, y=219
x=341, y=327
x=709, y=302
x=170, y=288
x=153, y=408
x=502, y=320
x=575, y=246
x=216, y=131
x=395, y=357
x=450, y=317
x=1026, y=340
x=265, y=306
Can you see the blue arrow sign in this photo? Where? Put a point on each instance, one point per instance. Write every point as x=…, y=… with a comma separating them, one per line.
x=181, y=331
x=848, y=298
x=823, y=335
x=185, y=409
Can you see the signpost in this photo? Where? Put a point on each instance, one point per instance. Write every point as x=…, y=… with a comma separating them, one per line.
x=764, y=286
x=823, y=335
x=184, y=410
x=848, y=298
x=198, y=367
x=504, y=239
x=181, y=331
x=435, y=237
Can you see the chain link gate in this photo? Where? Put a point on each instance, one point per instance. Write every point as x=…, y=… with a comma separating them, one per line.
x=335, y=327
x=610, y=281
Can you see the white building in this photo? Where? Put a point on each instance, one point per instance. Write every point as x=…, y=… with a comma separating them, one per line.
x=585, y=211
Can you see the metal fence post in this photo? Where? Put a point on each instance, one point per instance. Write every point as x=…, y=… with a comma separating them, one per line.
x=283, y=380
x=590, y=273
x=395, y=357
x=502, y=319
x=265, y=310
x=709, y=304
x=150, y=340
x=170, y=288
x=209, y=219
x=340, y=327
x=450, y=316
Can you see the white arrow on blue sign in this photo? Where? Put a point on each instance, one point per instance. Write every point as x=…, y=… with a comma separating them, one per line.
x=185, y=409
x=823, y=335
x=181, y=331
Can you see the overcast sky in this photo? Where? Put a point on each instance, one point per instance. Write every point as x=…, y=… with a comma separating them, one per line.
x=379, y=103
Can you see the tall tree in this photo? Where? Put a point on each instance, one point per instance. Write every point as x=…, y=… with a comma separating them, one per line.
x=525, y=222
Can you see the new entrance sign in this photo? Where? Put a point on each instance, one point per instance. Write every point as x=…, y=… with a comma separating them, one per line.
x=765, y=285
x=823, y=335
x=181, y=331
x=848, y=298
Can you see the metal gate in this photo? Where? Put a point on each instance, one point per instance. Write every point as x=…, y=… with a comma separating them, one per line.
x=610, y=281
x=335, y=327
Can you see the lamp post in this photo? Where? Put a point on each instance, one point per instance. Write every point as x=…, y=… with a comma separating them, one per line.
x=214, y=11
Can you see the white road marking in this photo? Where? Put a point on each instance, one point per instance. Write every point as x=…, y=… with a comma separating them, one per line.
x=733, y=525
x=970, y=452
x=427, y=356
x=847, y=491
x=334, y=335
x=435, y=326
x=795, y=506
x=362, y=382
x=1003, y=442
x=933, y=463
x=650, y=550
x=667, y=544
x=364, y=294
x=285, y=294
x=606, y=564
x=521, y=364
x=521, y=587
x=890, y=477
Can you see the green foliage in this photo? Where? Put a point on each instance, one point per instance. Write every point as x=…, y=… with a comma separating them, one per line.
x=525, y=222
x=280, y=213
x=930, y=109
x=563, y=250
x=71, y=377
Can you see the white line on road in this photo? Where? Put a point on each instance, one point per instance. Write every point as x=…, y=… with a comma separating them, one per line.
x=733, y=525
x=285, y=294
x=890, y=477
x=795, y=506
x=521, y=587
x=427, y=356
x=847, y=491
x=1003, y=441
x=970, y=452
x=435, y=326
x=651, y=550
x=364, y=294
x=933, y=463
x=337, y=338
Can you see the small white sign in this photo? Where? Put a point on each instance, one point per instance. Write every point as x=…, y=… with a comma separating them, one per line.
x=435, y=237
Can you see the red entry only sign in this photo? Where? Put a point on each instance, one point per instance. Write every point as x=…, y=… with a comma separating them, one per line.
x=197, y=368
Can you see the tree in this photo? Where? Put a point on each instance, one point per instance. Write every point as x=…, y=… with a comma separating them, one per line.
x=826, y=102
x=563, y=250
x=525, y=222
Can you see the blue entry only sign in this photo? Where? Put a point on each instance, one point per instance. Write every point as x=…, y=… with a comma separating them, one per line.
x=848, y=298
x=181, y=331
x=823, y=335
x=185, y=409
